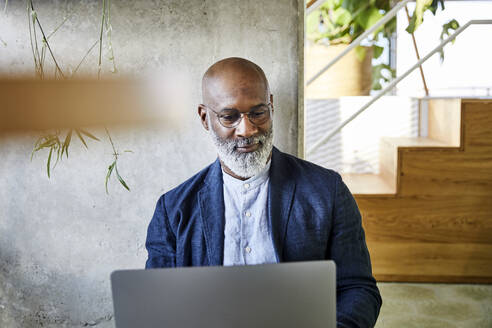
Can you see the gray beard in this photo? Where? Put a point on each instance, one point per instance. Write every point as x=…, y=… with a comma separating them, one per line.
x=244, y=165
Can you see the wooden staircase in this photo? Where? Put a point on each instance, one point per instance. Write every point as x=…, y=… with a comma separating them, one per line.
x=428, y=214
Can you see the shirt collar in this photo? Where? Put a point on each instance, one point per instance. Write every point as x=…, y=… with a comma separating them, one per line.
x=250, y=183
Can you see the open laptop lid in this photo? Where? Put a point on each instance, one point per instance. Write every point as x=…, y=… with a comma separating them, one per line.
x=295, y=294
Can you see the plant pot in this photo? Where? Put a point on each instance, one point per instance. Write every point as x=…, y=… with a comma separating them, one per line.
x=348, y=77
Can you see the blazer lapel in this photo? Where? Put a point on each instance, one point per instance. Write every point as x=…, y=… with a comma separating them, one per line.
x=280, y=197
x=211, y=199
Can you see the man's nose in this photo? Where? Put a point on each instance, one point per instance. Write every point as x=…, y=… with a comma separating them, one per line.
x=245, y=128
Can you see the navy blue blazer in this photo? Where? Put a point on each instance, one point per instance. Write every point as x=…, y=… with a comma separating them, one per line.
x=312, y=216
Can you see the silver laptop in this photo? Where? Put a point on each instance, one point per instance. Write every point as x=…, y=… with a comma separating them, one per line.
x=295, y=294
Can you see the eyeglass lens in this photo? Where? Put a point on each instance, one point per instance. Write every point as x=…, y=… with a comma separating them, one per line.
x=258, y=115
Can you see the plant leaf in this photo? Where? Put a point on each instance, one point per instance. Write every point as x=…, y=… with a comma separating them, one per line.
x=377, y=51
x=36, y=146
x=108, y=175
x=66, y=143
x=50, y=142
x=49, y=162
x=378, y=76
x=341, y=16
x=331, y=4
x=81, y=138
x=389, y=28
x=89, y=135
x=352, y=5
x=58, y=150
x=368, y=18
x=418, y=15
x=123, y=183
x=435, y=4
x=360, y=52
x=446, y=31
x=412, y=24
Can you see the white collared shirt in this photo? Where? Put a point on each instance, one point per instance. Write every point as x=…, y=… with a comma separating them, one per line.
x=247, y=236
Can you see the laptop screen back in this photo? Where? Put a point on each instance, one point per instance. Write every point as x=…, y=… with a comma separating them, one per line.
x=296, y=294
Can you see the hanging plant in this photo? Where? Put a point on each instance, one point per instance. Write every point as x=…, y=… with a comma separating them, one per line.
x=51, y=141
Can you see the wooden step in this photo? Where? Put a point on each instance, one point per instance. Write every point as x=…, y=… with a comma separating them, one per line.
x=389, y=152
x=368, y=184
x=385, y=183
x=417, y=142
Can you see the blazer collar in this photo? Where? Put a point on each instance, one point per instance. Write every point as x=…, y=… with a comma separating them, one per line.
x=211, y=199
x=280, y=196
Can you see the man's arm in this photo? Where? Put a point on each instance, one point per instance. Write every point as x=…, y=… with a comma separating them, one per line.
x=358, y=298
x=161, y=241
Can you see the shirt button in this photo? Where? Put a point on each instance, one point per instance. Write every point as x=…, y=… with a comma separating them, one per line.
x=248, y=249
x=248, y=214
x=246, y=186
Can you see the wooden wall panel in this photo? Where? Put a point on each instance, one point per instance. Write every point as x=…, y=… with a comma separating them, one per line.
x=428, y=219
x=445, y=172
x=431, y=262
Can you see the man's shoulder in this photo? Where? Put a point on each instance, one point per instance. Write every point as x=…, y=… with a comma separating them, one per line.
x=303, y=169
x=188, y=188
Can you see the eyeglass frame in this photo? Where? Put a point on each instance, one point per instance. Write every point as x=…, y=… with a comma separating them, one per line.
x=269, y=105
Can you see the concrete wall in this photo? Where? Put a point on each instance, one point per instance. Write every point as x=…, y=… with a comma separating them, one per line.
x=60, y=238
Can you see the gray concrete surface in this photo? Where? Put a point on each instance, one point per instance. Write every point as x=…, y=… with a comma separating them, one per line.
x=61, y=237
x=410, y=305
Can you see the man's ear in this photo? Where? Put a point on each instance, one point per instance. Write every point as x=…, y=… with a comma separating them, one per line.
x=271, y=102
x=202, y=112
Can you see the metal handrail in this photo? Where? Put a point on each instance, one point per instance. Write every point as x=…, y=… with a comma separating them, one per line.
x=315, y=5
x=453, y=36
x=389, y=15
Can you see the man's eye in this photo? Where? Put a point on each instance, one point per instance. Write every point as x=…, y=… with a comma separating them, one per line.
x=229, y=117
x=258, y=113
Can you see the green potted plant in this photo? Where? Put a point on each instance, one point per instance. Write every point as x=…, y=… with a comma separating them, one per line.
x=337, y=23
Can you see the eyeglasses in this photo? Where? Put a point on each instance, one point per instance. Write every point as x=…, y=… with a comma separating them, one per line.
x=231, y=117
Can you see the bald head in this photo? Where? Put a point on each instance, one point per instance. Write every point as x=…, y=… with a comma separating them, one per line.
x=231, y=78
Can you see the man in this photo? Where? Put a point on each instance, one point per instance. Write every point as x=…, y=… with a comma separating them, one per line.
x=255, y=204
